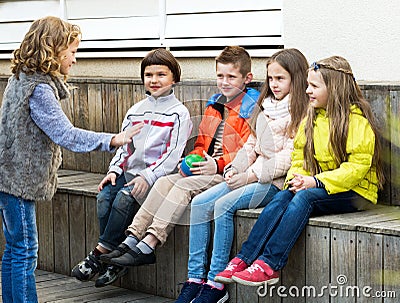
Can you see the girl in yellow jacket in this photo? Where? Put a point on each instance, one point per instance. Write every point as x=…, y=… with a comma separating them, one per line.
x=335, y=169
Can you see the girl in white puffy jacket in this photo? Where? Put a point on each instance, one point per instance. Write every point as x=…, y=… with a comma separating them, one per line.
x=255, y=175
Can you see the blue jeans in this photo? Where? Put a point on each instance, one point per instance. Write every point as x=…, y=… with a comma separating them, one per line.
x=219, y=203
x=285, y=217
x=115, y=211
x=20, y=253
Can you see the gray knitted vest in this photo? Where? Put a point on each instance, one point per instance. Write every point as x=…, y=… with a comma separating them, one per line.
x=28, y=158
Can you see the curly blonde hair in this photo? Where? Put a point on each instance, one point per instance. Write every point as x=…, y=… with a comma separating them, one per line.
x=39, y=50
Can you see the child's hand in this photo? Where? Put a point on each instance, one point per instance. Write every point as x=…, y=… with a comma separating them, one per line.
x=125, y=137
x=140, y=187
x=111, y=177
x=239, y=180
x=229, y=174
x=301, y=182
x=208, y=167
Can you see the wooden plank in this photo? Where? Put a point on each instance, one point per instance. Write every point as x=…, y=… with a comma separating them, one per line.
x=352, y=221
x=395, y=147
x=92, y=224
x=293, y=274
x=82, y=121
x=110, y=116
x=244, y=293
x=45, y=227
x=61, y=234
x=3, y=84
x=166, y=268
x=380, y=104
x=181, y=256
x=317, y=261
x=190, y=98
x=391, y=268
x=77, y=231
x=183, y=7
x=68, y=156
x=57, y=288
x=95, y=112
x=181, y=26
x=369, y=265
x=343, y=262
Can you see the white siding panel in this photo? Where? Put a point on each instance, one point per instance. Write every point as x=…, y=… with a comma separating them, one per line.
x=82, y=9
x=13, y=32
x=118, y=44
x=224, y=41
x=12, y=11
x=184, y=6
x=263, y=23
x=119, y=28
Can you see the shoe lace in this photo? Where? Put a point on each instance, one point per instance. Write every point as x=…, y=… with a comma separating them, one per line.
x=254, y=267
x=231, y=266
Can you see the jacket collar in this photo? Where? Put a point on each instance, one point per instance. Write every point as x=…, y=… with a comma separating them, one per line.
x=249, y=101
x=161, y=99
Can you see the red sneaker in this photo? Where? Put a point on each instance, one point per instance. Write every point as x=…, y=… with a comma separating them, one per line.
x=235, y=265
x=257, y=274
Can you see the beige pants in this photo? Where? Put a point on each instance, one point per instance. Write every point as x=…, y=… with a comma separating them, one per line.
x=166, y=203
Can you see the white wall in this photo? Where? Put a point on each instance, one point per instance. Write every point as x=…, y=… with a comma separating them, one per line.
x=365, y=32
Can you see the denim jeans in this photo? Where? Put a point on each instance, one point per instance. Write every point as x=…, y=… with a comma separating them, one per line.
x=220, y=203
x=115, y=211
x=20, y=253
x=285, y=217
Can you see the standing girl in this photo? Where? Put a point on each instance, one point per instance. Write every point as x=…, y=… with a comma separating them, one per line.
x=253, y=178
x=32, y=127
x=335, y=169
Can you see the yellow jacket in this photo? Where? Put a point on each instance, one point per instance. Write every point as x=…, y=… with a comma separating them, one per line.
x=357, y=173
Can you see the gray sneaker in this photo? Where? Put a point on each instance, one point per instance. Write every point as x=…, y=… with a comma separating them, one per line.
x=112, y=273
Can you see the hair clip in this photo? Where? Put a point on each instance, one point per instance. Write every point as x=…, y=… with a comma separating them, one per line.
x=315, y=66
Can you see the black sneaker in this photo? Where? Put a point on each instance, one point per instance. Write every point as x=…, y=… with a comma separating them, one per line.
x=189, y=291
x=121, y=249
x=210, y=294
x=111, y=274
x=87, y=268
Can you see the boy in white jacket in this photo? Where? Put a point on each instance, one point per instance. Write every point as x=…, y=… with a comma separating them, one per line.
x=153, y=153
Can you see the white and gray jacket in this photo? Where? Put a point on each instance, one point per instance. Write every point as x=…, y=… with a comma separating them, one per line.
x=157, y=149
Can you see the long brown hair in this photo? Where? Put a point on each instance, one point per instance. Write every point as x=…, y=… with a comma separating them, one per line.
x=343, y=91
x=294, y=62
x=41, y=46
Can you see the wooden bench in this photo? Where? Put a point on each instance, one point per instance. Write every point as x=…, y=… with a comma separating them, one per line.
x=360, y=248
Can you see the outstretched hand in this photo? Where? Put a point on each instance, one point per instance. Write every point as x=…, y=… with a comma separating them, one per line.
x=125, y=137
x=207, y=167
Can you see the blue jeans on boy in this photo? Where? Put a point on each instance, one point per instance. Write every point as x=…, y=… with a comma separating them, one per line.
x=115, y=211
x=285, y=217
x=220, y=203
x=20, y=253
